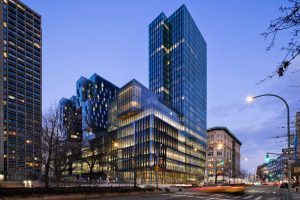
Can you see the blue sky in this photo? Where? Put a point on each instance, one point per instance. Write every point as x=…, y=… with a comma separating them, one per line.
x=111, y=38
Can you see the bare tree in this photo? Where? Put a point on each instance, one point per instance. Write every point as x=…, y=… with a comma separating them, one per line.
x=54, y=145
x=50, y=130
x=288, y=21
x=92, y=159
x=61, y=160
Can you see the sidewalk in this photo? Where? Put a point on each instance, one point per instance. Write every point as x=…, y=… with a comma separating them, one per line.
x=296, y=195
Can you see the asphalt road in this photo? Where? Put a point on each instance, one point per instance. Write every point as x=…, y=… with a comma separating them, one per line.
x=252, y=193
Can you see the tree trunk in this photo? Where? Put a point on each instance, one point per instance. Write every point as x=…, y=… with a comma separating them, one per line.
x=47, y=175
x=47, y=169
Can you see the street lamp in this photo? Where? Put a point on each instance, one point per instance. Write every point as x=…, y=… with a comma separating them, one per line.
x=116, y=144
x=250, y=99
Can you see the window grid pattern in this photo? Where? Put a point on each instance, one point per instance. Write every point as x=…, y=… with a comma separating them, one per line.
x=22, y=41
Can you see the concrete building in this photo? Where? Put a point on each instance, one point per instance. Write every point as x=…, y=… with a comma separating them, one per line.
x=20, y=90
x=296, y=164
x=297, y=138
x=223, y=155
x=273, y=170
x=261, y=172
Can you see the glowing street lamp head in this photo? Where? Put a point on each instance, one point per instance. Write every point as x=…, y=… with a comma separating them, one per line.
x=249, y=99
x=115, y=144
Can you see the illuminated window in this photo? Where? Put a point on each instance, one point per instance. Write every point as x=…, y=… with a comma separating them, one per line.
x=5, y=54
x=11, y=97
x=37, y=45
x=21, y=7
x=4, y=24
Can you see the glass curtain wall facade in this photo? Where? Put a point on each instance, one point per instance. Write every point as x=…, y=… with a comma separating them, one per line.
x=178, y=66
x=93, y=96
x=20, y=90
x=178, y=69
x=145, y=134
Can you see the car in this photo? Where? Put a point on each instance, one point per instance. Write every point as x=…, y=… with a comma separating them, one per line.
x=223, y=188
x=284, y=185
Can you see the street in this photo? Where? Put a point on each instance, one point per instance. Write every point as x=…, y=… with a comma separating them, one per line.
x=252, y=193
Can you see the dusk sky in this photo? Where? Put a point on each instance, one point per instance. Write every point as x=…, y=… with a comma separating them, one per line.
x=110, y=38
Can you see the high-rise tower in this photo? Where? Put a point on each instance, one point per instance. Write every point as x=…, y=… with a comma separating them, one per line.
x=20, y=90
x=178, y=67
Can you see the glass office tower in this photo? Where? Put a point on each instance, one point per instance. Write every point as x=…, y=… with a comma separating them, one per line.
x=178, y=68
x=20, y=90
x=147, y=138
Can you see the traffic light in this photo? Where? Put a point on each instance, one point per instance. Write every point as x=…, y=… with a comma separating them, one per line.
x=267, y=158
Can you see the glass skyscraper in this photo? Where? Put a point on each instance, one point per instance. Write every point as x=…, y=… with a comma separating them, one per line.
x=178, y=67
x=20, y=90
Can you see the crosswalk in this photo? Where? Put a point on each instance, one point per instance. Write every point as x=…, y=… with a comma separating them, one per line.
x=210, y=196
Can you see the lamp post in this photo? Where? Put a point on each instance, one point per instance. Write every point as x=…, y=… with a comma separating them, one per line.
x=251, y=99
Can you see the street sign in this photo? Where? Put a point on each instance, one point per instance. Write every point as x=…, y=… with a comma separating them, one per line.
x=156, y=168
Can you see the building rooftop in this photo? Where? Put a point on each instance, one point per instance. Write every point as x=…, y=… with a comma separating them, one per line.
x=224, y=128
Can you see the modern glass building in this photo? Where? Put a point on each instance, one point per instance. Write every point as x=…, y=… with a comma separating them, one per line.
x=90, y=104
x=20, y=90
x=148, y=138
x=178, y=68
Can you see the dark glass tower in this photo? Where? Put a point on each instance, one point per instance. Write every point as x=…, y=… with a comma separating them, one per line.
x=20, y=90
x=178, y=67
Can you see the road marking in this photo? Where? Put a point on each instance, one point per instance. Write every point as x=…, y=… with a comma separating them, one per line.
x=257, y=198
x=182, y=195
x=274, y=192
x=248, y=197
